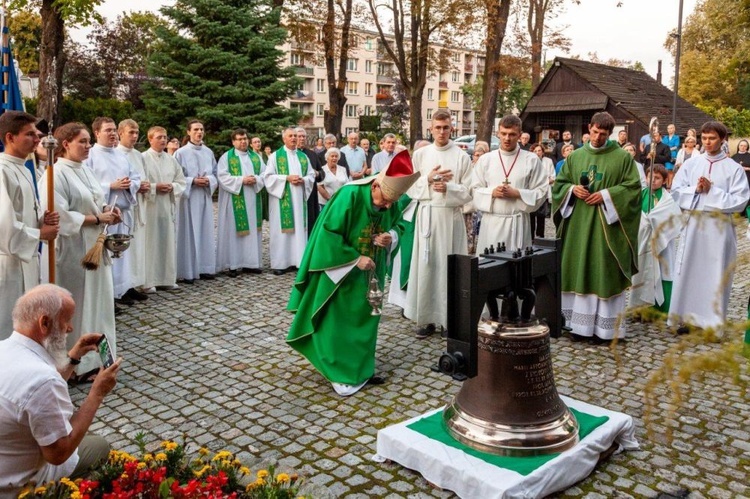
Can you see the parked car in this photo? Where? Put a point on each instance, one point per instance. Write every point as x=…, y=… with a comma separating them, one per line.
x=466, y=142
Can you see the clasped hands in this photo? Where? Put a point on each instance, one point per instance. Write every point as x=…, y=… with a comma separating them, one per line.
x=295, y=179
x=201, y=181
x=249, y=180
x=589, y=198
x=704, y=185
x=506, y=191
x=120, y=184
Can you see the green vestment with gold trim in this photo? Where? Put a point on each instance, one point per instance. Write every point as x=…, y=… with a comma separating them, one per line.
x=598, y=258
x=332, y=326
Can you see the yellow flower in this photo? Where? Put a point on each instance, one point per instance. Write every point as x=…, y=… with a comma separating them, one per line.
x=259, y=482
x=222, y=455
x=124, y=476
x=24, y=494
x=236, y=462
x=169, y=445
x=282, y=478
x=141, y=465
x=148, y=458
x=160, y=457
x=75, y=495
x=202, y=451
x=245, y=470
x=40, y=490
x=69, y=483
x=262, y=474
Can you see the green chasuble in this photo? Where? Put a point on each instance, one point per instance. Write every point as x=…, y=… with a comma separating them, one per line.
x=598, y=258
x=332, y=326
x=405, y=245
x=655, y=198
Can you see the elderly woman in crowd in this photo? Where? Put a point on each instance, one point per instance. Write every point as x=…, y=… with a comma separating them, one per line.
x=689, y=150
x=335, y=176
x=83, y=214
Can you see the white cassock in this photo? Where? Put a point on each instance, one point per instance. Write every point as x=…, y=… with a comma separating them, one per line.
x=19, y=237
x=507, y=220
x=704, y=264
x=108, y=165
x=287, y=248
x=439, y=231
x=137, y=247
x=234, y=251
x=196, y=244
x=161, y=210
x=657, y=233
x=77, y=194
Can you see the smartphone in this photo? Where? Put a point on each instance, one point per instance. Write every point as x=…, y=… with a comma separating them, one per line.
x=105, y=353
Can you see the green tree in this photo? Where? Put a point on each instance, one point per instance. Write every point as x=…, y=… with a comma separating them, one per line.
x=25, y=28
x=220, y=64
x=715, y=56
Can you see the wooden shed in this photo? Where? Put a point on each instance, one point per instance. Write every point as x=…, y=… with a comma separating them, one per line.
x=573, y=90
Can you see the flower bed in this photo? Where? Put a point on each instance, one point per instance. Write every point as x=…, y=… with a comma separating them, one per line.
x=168, y=474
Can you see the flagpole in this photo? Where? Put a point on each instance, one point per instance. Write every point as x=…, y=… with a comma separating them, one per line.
x=5, y=45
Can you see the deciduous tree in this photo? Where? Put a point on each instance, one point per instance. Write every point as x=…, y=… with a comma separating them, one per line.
x=25, y=27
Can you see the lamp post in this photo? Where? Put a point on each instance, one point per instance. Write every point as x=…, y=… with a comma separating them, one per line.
x=677, y=65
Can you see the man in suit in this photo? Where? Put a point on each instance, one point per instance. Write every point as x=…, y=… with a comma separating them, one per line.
x=313, y=208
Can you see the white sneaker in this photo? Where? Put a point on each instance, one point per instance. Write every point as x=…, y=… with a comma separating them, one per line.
x=347, y=390
x=148, y=291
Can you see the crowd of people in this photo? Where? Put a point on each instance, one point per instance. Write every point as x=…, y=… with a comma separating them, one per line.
x=343, y=218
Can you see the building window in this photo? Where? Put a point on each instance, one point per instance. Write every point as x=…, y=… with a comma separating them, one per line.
x=430, y=95
x=368, y=89
x=319, y=109
x=350, y=129
x=429, y=113
x=351, y=64
x=455, y=96
x=368, y=44
x=321, y=85
x=368, y=66
x=296, y=59
x=368, y=110
x=456, y=57
x=350, y=111
x=454, y=76
x=351, y=87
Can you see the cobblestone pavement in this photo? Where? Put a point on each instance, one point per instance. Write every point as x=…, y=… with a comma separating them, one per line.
x=209, y=361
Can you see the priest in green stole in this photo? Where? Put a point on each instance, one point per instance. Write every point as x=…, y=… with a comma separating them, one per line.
x=333, y=326
x=596, y=204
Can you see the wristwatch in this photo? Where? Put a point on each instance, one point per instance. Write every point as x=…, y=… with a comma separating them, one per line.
x=73, y=362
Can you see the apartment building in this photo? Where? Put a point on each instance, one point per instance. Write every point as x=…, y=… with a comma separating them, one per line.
x=371, y=76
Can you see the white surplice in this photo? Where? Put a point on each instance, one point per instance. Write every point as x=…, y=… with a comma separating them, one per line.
x=77, y=194
x=108, y=165
x=137, y=247
x=19, y=237
x=656, y=236
x=161, y=209
x=439, y=231
x=234, y=251
x=287, y=248
x=704, y=264
x=196, y=244
x=507, y=220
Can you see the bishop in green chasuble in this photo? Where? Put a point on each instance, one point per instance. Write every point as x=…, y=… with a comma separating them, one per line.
x=333, y=326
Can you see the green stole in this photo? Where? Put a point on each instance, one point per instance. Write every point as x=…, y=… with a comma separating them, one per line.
x=285, y=203
x=241, y=222
x=654, y=199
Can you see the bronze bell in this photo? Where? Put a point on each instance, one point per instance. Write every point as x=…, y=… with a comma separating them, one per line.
x=512, y=407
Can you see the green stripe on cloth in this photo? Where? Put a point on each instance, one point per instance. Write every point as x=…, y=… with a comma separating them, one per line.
x=434, y=428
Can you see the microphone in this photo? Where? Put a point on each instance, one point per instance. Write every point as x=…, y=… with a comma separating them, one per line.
x=584, y=181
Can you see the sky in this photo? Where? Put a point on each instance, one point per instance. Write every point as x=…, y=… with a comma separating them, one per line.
x=636, y=31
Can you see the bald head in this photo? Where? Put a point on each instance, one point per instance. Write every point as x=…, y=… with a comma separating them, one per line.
x=42, y=303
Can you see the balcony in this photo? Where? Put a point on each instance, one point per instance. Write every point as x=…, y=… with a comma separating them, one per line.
x=381, y=54
x=382, y=96
x=306, y=71
x=443, y=103
x=388, y=79
x=302, y=96
x=443, y=84
x=468, y=68
x=480, y=70
x=303, y=46
x=467, y=104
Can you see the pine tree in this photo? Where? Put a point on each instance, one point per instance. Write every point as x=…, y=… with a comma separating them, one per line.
x=219, y=63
